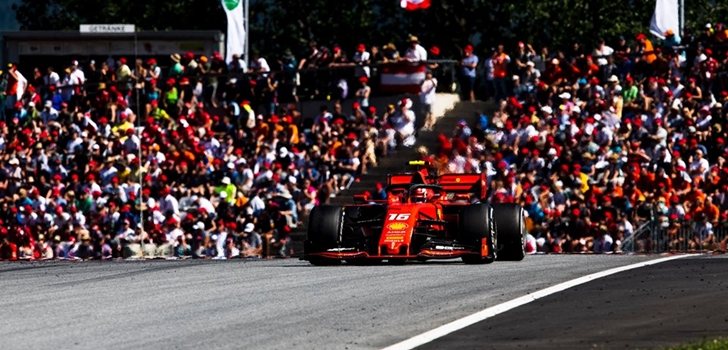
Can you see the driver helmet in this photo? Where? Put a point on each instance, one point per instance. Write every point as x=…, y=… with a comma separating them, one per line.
x=420, y=195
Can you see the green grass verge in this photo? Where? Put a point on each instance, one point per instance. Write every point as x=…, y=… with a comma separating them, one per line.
x=714, y=344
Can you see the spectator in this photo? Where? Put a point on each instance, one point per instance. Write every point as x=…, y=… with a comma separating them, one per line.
x=415, y=52
x=252, y=242
x=362, y=59
x=602, y=53
x=468, y=65
x=428, y=90
x=176, y=69
x=524, y=54
x=500, y=60
x=703, y=236
x=16, y=86
x=390, y=53
x=403, y=123
x=362, y=95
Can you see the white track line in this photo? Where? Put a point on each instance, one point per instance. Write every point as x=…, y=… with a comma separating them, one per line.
x=466, y=321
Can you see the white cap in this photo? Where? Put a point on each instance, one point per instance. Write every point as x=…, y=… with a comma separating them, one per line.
x=547, y=109
x=565, y=95
x=249, y=227
x=613, y=79
x=223, y=194
x=292, y=179
x=597, y=117
x=14, y=161
x=231, y=165
x=552, y=151
x=283, y=152
x=702, y=57
x=31, y=104
x=226, y=180
x=406, y=103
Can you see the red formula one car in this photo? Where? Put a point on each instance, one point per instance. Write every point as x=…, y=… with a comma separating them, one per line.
x=425, y=216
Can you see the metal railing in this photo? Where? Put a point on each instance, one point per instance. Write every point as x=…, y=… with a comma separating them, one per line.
x=311, y=83
x=628, y=245
x=661, y=236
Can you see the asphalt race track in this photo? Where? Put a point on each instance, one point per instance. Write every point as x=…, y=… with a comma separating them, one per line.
x=289, y=304
x=672, y=303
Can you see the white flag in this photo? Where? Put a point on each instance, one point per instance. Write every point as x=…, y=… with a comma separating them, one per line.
x=235, y=28
x=666, y=16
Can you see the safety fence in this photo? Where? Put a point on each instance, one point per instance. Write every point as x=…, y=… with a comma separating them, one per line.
x=336, y=81
x=660, y=236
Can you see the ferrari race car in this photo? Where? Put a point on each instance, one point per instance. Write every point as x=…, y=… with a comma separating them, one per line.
x=425, y=216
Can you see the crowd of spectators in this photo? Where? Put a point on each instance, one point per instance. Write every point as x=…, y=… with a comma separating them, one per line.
x=594, y=142
x=209, y=159
x=199, y=158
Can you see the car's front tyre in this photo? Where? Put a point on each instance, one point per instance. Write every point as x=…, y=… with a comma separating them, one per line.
x=476, y=230
x=324, y=232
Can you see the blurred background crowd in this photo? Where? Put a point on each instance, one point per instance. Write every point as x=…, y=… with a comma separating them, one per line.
x=207, y=159
x=198, y=158
x=594, y=142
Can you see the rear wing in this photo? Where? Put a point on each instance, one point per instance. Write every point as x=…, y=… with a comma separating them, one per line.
x=424, y=173
x=405, y=179
x=473, y=184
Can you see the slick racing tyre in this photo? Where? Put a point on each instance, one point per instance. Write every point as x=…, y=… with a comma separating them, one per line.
x=511, y=231
x=324, y=232
x=475, y=225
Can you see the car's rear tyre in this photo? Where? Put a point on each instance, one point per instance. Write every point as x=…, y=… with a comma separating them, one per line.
x=324, y=232
x=511, y=232
x=475, y=225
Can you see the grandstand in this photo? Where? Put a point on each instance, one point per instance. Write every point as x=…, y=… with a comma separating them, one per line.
x=180, y=154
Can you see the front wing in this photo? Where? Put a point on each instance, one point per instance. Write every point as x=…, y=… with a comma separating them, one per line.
x=430, y=250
